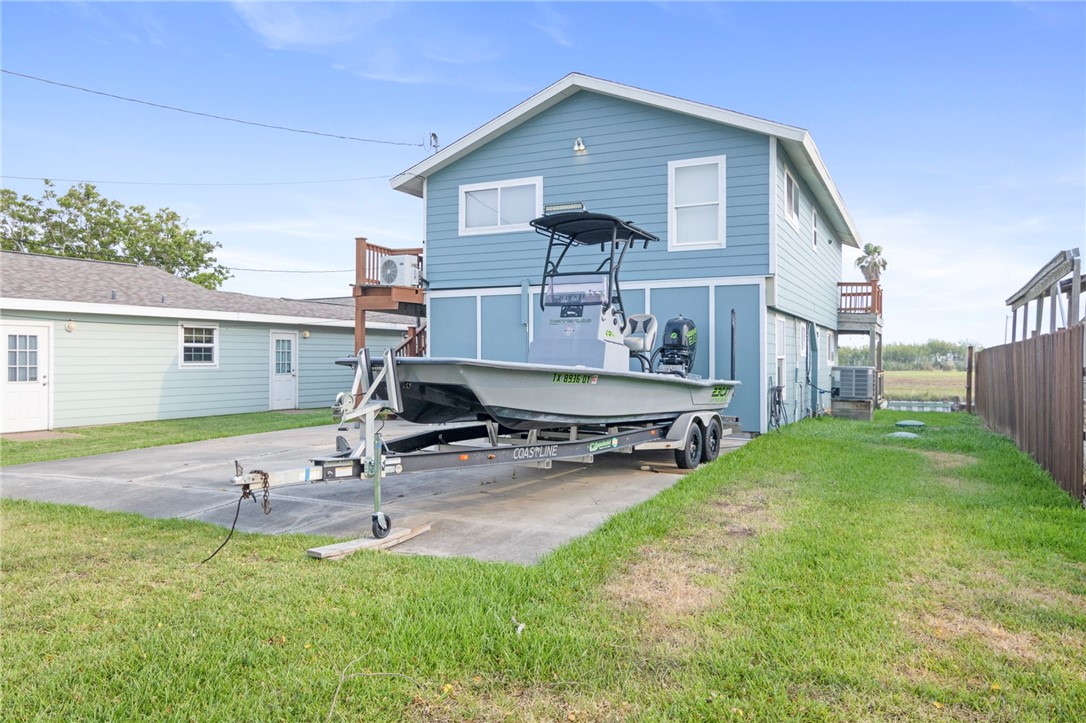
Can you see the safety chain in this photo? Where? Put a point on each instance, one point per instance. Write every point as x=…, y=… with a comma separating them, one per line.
x=266, y=502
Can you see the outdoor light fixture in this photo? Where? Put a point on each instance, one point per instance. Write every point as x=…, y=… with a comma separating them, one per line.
x=305, y=334
x=70, y=326
x=578, y=146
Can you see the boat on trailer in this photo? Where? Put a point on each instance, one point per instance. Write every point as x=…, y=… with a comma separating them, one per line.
x=578, y=369
x=575, y=397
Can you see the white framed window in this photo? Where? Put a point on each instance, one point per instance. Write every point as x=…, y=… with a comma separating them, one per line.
x=791, y=199
x=198, y=345
x=814, y=229
x=831, y=347
x=803, y=339
x=500, y=206
x=696, y=201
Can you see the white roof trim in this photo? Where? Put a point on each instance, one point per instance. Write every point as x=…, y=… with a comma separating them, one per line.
x=797, y=140
x=74, y=307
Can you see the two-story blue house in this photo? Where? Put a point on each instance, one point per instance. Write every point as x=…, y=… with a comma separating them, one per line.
x=748, y=216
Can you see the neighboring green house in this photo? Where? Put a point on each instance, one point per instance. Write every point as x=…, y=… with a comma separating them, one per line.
x=95, y=342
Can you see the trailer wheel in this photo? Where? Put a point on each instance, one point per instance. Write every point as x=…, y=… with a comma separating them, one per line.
x=713, y=435
x=689, y=455
x=381, y=531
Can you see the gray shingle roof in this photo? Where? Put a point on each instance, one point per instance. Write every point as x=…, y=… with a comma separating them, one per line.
x=57, y=278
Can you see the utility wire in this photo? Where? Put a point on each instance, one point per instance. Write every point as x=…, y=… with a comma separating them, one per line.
x=208, y=115
x=180, y=183
x=293, y=271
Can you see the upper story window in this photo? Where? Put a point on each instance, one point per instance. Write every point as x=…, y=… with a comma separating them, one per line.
x=814, y=229
x=696, y=203
x=500, y=206
x=199, y=345
x=791, y=199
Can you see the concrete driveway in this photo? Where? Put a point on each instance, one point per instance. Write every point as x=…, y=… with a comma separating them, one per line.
x=508, y=513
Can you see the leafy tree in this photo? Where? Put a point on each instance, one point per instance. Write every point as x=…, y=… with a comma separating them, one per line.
x=871, y=263
x=83, y=224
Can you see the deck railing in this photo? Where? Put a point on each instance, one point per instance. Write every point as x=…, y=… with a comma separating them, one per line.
x=414, y=344
x=860, y=297
x=370, y=257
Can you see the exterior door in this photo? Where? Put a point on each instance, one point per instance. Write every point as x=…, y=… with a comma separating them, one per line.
x=284, y=370
x=26, y=404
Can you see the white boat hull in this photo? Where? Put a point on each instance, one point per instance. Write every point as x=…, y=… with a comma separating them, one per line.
x=538, y=396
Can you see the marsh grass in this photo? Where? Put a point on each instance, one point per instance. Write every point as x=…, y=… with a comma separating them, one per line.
x=823, y=572
x=924, y=386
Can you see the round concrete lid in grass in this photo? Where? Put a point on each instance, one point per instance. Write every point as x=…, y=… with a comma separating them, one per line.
x=910, y=423
x=903, y=435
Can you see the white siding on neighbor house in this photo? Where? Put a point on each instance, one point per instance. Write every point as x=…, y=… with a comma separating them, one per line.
x=806, y=278
x=623, y=172
x=114, y=368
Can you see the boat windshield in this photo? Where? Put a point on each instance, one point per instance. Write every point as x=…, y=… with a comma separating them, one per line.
x=586, y=289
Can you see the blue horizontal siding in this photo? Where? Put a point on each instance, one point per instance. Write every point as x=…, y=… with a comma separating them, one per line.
x=624, y=172
x=806, y=277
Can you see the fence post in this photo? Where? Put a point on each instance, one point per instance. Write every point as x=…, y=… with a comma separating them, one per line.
x=969, y=381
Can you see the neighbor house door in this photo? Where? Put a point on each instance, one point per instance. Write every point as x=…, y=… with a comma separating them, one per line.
x=284, y=370
x=26, y=405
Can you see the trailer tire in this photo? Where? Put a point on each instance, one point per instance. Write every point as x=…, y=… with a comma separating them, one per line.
x=381, y=532
x=689, y=455
x=713, y=434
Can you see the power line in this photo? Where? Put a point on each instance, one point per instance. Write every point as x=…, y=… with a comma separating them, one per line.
x=180, y=183
x=292, y=271
x=209, y=115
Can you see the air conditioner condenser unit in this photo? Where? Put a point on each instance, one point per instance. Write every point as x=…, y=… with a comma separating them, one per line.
x=852, y=383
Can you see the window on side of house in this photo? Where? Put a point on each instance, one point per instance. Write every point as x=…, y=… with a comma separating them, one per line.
x=814, y=229
x=831, y=347
x=804, y=339
x=791, y=199
x=696, y=192
x=199, y=345
x=500, y=206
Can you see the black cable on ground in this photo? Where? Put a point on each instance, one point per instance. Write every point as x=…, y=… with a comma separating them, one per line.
x=232, y=526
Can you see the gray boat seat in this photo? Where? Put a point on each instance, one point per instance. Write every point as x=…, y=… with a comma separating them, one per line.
x=640, y=333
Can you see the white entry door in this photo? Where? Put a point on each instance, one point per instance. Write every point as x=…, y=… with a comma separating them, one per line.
x=25, y=378
x=284, y=370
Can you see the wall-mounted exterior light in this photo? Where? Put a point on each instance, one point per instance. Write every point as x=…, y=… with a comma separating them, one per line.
x=578, y=146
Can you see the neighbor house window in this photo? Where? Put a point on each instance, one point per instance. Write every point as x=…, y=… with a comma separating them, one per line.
x=804, y=339
x=696, y=203
x=791, y=199
x=199, y=345
x=831, y=348
x=500, y=206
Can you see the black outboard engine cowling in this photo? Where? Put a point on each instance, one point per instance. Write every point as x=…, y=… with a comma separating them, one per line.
x=679, y=346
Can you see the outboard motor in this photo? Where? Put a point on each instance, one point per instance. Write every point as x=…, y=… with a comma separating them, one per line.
x=680, y=344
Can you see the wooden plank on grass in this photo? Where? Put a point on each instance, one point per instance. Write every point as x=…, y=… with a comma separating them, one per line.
x=342, y=549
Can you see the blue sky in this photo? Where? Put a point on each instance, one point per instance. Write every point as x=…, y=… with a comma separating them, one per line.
x=956, y=133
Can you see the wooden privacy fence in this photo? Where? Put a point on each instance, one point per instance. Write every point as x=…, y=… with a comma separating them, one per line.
x=1031, y=391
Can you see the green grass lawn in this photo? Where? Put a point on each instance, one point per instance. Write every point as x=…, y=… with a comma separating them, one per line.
x=924, y=386
x=119, y=437
x=822, y=572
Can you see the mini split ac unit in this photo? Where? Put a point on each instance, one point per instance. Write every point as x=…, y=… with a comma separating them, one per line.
x=399, y=271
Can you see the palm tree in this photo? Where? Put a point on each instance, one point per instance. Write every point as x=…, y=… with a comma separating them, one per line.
x=871, y=263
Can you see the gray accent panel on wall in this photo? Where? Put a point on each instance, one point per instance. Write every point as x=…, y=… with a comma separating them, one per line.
x=452, y=327
x=505, y=338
